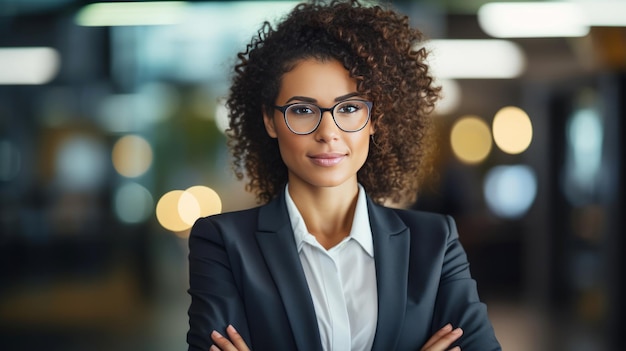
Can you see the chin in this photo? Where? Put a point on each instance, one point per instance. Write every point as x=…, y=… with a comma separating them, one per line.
x=329, y=182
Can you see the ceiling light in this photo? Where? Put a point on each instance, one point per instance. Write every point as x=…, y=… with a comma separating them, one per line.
x=604, y=13
x=533, y=19
x=131, y=13
x=34, y=65
x=475, y=58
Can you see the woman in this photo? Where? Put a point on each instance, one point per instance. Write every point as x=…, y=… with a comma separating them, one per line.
x=328, y=114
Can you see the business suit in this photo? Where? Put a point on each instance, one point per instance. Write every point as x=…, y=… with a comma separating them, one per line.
x=245, y=271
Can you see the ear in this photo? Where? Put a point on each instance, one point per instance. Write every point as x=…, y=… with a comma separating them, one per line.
x=270, y=127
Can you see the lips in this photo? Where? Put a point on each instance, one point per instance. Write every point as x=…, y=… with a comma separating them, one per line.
x=327, y=159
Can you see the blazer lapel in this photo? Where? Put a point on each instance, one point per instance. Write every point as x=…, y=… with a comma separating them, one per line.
x=391, y=254
x=275, y=238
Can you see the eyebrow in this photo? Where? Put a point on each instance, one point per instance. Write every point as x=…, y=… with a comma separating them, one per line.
x=308, y=99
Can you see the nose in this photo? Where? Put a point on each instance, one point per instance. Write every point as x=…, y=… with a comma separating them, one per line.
x=327, y=130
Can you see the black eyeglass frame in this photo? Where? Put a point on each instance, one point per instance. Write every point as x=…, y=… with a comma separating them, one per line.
x=284, y=108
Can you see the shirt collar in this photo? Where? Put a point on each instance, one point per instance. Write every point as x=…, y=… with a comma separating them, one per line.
x=361, y=230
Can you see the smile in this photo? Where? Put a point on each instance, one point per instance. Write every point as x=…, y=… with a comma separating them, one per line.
x=327, y=160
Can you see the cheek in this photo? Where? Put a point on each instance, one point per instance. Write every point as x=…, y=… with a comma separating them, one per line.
x=288, y=143
x=362, y=144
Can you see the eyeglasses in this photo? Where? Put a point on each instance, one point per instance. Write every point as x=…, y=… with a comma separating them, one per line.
x=304, y=118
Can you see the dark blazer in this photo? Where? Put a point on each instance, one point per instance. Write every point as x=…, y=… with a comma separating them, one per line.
x=244, y=270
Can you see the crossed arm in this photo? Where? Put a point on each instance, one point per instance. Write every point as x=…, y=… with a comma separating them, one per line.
x=440, y=341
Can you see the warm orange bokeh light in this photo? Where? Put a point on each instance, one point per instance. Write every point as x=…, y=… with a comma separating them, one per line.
x=209, y=201
x=132, y=156
x=471, y=139
x=178, y=210
x=512, y=130
x=167, y=212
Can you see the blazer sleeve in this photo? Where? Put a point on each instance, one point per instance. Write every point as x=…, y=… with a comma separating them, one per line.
x=215, y=297
x=457, y=299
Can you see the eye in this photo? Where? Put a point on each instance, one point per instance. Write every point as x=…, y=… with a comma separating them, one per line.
x=350, y=107
x=302, y=109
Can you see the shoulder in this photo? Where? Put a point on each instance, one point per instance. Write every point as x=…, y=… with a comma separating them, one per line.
x=424, y=220
x=233, y=217
x=233, y=222
x=435, y=229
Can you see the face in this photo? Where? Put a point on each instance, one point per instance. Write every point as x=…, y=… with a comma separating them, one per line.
x=327, y=157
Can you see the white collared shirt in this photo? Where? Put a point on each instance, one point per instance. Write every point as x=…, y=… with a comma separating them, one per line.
x=342, y=280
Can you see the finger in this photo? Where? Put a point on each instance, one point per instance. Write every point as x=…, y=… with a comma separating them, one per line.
x=236, y=339
x=220, y=341
x=444, y=341
x=438, y=335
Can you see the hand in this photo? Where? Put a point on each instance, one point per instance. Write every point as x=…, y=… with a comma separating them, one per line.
x=236, y=342
x=443, y=338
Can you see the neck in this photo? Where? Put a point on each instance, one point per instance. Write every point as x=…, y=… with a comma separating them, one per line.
x=327, y=212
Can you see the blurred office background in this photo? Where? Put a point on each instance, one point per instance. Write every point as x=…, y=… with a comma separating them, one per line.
x=112, y=144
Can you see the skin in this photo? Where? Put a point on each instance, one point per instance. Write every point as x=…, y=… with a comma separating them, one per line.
x=322, y=166
x=322, y=169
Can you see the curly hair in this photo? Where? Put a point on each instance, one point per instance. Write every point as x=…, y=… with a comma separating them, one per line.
x=380, y=51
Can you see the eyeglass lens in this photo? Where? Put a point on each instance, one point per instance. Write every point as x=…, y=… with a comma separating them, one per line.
x=350, y=116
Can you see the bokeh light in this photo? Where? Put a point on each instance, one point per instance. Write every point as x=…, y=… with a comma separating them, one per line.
x=80, y=162
x=209, y=201
x=451, y=96
x=129, y=113
x=533, y=19
x=178, y=210
x=470, y=139
x=510, y=190
x=28, y=65
x=583, y=157
x=512, y=130
x=10, y=160
x=167, y=212
x=188, y=208
x=132, y=13
x=133, y=203
x=221, y=115
x=475, y=58
x=132, y=156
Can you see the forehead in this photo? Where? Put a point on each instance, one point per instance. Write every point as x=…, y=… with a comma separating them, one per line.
x=320, y=80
